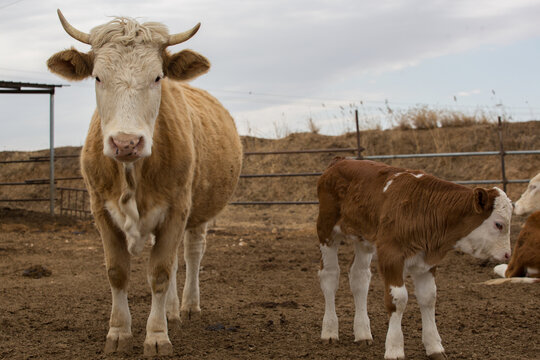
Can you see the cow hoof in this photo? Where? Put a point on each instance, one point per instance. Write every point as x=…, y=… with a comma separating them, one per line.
x=173, y=321
x=157, y=345
x=438, y=356
x=118, y=343
x=190, y=315
x=364, y=343
x=330, y=340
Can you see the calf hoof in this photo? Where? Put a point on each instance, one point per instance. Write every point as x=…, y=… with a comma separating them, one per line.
x=157, y=345
x=438, y=356
x=190, y=315
x=118, y=343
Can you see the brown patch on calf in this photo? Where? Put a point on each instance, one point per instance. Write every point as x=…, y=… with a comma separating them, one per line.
x=160, y=279
x=117, y=277
x=527, y=249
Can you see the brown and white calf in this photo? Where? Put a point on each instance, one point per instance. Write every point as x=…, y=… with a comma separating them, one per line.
x=160, y=160
x=524, y=266
x=411, y=220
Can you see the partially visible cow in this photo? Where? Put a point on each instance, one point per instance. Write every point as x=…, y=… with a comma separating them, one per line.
x=411, y=219
x=530, y=199
x=524, y=266
x=161, y=159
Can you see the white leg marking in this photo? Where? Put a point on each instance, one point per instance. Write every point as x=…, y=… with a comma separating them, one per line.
x=119, y=335
x=194, y=247
x=500, y=269
x=173, y=303
x=425, y=290
x=359, y=278
x=532, y=271
x=394, y=338
x=157, y=337
x=329, y=280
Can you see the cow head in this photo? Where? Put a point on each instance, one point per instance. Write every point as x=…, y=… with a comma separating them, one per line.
x=530, y=199
x=128, y=61
x=492, y=237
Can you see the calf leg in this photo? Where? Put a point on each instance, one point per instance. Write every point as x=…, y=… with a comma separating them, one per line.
x=194, y=247
x=426, y=294
x=396, y=298
x=160, y=270
x=117, y=262
x=359, y=278
x=329, y=280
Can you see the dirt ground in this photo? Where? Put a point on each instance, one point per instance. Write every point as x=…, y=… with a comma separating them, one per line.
x=260, y=296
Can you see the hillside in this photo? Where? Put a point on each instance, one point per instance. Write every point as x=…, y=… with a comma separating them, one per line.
x=479, y=137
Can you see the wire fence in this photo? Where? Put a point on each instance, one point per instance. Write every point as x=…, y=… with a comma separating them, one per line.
x=75, y=201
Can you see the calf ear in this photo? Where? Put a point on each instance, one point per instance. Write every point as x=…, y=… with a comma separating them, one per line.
x=71, y=64
x=186, y=65
x=481, y=200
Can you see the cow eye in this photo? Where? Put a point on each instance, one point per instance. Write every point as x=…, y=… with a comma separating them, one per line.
x=499, y=226
x=158, y=78
x=98, y=79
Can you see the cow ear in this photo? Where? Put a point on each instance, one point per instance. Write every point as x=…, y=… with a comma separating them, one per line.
x=71, y=64
x=186, y=65
x=481, y=200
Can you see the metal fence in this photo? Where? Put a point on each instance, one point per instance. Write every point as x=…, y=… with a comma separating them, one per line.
x=75, y=202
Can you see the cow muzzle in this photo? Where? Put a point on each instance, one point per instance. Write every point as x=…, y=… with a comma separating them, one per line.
x=126, y=147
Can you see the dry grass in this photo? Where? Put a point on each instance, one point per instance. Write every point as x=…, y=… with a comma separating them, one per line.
x=423, y=118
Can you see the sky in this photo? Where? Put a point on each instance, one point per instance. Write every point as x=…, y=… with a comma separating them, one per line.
x=279, y=64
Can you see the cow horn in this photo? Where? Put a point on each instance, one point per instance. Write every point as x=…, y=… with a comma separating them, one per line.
x=74, y=33
x=183, y=36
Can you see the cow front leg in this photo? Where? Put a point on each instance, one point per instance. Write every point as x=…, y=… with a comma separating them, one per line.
x=329, y=280
x=426, y=294
x=359, y=278
x=160, y=273
x=194, y=247
x=117, y=262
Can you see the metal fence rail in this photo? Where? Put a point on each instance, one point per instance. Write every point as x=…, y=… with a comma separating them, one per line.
x=74, y=201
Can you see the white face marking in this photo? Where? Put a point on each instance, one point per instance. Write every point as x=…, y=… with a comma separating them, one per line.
x=530, y=199
x=127, y=93
x=492, y=237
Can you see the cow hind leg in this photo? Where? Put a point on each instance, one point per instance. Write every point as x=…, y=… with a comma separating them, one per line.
x=359, y=278
x=172, y=302
x=194, y=247
x=426, y=294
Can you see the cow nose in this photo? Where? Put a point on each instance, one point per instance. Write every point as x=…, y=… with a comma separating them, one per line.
x=126, y=141
x=126, y=147
x=507, y=256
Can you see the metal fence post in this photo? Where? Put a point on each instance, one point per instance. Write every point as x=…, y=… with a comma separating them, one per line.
x=51, y=157
x=502, y=153
x=360, y=148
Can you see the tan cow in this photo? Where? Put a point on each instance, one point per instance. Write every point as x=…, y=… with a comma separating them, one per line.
x=411, y=219
x=530, y=199
x=161, y=159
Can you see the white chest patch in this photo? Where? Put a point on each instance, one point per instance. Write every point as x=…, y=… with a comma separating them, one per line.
x=137, y=230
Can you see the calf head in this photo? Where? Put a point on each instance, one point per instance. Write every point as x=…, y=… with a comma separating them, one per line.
x=128, y=61
x=530, y=199
x=492, y=237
